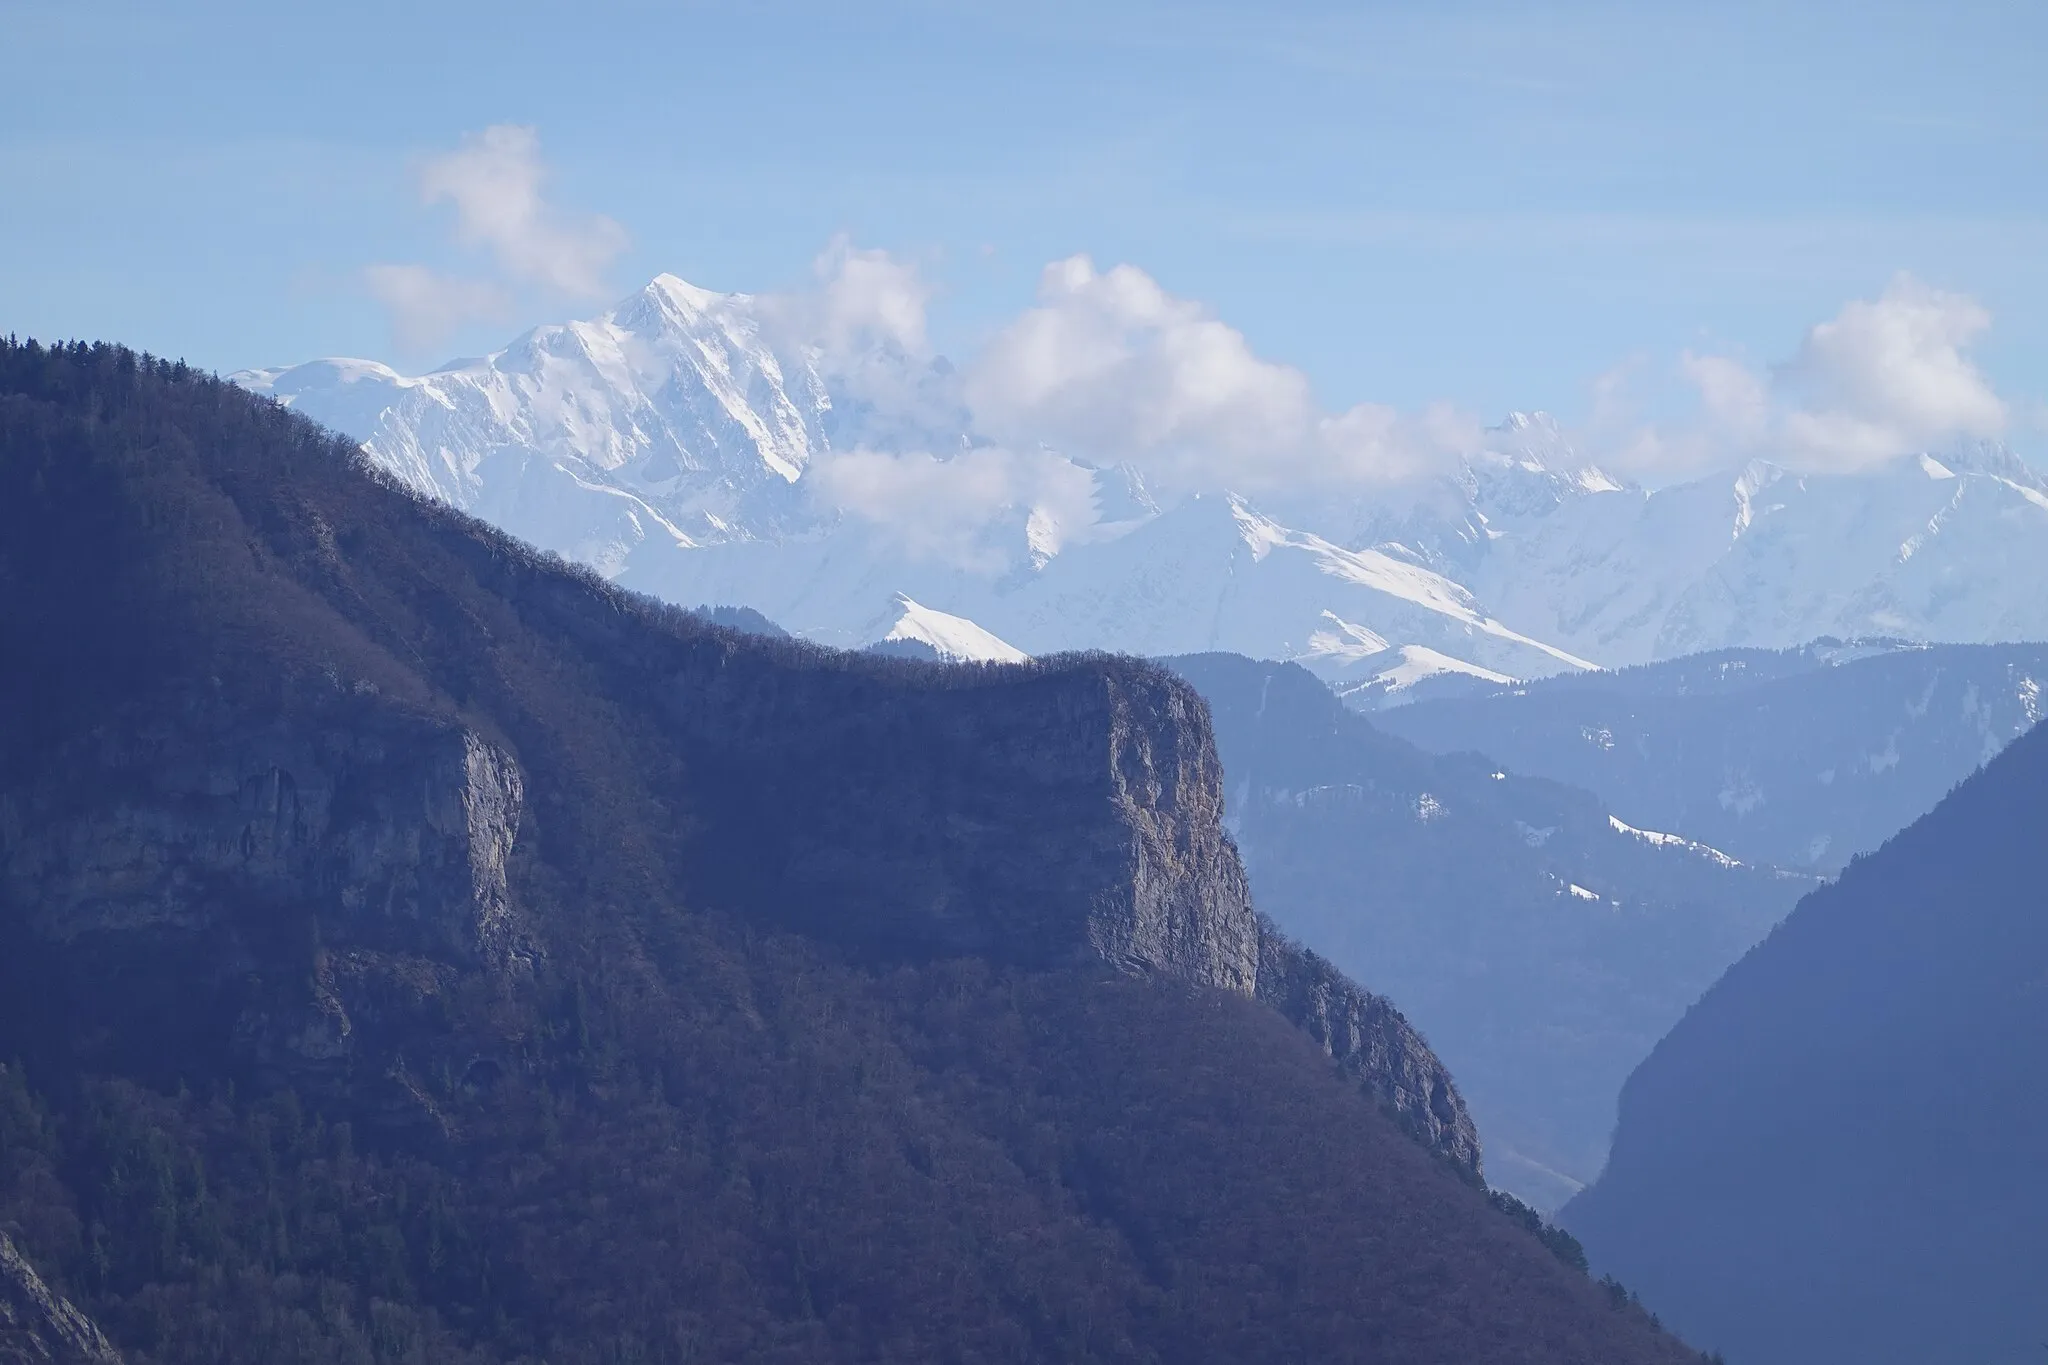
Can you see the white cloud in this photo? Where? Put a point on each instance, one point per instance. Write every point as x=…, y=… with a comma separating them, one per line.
x=1733, y=399
x=1884, y=377
x=974, y=510
x=1111, y=367
x=1890, y=375
x=496, y=183
x=864, y=297
x=862, y=323
x=426, y=307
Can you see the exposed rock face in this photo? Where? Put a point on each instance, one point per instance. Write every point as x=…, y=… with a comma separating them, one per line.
x=1029, y=814
x=1187, y=910
x=399, y=828
x=303, y=871
x=1371, y=1042
x=38, y=1327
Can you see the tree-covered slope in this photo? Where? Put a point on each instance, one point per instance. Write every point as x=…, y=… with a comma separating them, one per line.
x=413, y=950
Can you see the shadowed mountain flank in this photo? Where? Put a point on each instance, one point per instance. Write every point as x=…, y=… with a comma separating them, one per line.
x=1836, y=1155
x=414, y=949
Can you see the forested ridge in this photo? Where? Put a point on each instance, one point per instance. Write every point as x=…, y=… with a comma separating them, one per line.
x=413, y=950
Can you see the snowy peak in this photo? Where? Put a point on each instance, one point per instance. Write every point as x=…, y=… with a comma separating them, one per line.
x=675, y=415
x=687, y=300
x=913, y=630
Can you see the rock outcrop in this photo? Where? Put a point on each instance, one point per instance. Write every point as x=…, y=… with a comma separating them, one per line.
x=1372, y=1043
x=39, y=1327
x=311, y=877
x=394, y=831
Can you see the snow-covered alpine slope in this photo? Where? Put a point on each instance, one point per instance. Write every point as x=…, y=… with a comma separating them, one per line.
x=913, y=630
x=680, y=417
x=1925, y=548
x=679, y=445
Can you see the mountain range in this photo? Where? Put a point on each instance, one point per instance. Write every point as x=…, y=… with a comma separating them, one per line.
x=681, y=445
x=1802, y=758
x=1836, y=1154
x=415, y=948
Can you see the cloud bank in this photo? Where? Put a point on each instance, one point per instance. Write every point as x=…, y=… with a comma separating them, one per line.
x=1109, y=368
x=1112, y=368
x=1884, y=377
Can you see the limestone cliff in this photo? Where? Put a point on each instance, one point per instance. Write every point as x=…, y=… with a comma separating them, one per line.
x=39, y=1327
x=1371, y=1042
x=310, y=878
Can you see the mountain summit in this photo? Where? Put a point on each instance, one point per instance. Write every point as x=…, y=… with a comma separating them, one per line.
x=676, y=444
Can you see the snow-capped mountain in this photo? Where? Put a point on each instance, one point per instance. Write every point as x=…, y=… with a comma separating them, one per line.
x=677, y=443
x=913, y=630
x=680, y=417
x=1924, y=548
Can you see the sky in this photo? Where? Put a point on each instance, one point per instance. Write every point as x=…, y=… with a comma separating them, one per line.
x=1584, y=208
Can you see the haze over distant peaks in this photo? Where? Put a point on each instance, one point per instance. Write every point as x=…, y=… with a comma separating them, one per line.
x=695, y=446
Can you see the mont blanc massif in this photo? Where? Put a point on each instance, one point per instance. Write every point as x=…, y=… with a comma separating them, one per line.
x=674, y=446
x=534, y=864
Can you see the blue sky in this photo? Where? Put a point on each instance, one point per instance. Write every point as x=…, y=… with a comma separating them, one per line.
x=1489, y=205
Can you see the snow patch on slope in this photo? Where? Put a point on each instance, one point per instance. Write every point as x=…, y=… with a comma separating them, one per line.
x=1679, y=841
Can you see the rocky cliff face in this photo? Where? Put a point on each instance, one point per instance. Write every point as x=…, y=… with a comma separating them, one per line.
x=393, y=830
x=332, y=879
x=312, y=878
x=1032, y=815
x=1370, y=1041
x=38, y=1327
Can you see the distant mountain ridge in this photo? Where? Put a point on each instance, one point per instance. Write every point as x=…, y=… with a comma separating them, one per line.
x=1802, y=758
x=673, y=445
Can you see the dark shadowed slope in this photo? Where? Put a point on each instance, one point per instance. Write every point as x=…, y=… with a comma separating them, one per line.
x=414, y=950
x=1799, y=757
x=1841, y=1154
x=1541, y=949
